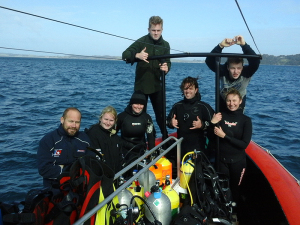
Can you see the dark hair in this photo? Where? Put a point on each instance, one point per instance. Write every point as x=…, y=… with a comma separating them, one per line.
x=155, y=20
x=192, y=81
x=69, y=109
x=233, y=91
x=235, y=60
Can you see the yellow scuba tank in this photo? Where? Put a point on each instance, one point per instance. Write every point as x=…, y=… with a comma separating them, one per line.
x=166, y=167
x=136, y=189
x=186, y=171
x=173, y=196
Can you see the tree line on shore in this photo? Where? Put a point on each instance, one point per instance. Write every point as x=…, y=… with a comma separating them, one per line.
x=291, y=60
x=283, y=60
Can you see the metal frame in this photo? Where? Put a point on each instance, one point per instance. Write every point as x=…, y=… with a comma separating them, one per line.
x=136, y=162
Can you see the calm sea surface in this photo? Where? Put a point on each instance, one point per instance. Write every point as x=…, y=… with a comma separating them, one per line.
x=35, y=92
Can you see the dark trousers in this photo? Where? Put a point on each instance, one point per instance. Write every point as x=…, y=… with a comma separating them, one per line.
x=234, y=172
x=156, y=100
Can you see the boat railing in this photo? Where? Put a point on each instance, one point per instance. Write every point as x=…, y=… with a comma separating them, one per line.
x=143, y=170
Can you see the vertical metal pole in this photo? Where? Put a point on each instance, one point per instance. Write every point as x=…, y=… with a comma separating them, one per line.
x=217, y=107
x=163, y=81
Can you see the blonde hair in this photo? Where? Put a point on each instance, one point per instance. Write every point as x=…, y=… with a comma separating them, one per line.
x=155, y=20
x=111, y=110
x=233, y=91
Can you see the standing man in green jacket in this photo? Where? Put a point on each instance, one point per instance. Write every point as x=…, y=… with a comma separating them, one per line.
x=148, y=73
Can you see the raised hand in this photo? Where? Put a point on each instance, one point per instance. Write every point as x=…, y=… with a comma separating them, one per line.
x=196, y=124
x=143, y=55
x=227, y=42
x=175, y=122
x=239, y=40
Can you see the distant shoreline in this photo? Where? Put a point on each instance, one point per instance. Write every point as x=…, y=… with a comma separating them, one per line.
x=287, y=60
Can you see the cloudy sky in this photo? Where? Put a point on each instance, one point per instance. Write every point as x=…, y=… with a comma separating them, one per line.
x=189, y=26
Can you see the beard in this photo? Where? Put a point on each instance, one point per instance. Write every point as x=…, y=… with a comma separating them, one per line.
x=71, y=131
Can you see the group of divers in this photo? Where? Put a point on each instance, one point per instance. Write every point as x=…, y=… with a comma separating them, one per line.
x=194, y=119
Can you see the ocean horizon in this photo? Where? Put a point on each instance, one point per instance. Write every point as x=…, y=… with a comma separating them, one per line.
x=35, y=92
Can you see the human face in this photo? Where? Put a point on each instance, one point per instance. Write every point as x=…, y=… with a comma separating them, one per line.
x=71, y=122
x=233, y=102
x=137, y=108
x=189, y=91
x=107, y=121
x=235, y=70
x=155, y=31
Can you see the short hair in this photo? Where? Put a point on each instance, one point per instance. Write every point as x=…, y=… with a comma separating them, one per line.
x=109, y=109
x=235, y=60
x=155, y=20
x=70, y=109
x=233, y=91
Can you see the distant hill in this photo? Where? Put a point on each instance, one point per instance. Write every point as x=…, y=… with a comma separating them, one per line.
x=291, y=60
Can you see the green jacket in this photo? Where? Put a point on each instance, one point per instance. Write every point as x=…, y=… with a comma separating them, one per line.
x=147, y=75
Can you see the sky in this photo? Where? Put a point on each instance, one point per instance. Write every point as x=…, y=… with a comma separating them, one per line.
x=189, y=26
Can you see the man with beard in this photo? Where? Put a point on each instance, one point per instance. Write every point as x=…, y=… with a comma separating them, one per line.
x=61, y=147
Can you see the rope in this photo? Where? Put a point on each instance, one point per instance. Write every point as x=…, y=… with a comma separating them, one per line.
x=247, y=25
x=28, y=50
x=102, y=32
x=70, y=24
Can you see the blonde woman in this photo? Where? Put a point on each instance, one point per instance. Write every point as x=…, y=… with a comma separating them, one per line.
x=103, y=138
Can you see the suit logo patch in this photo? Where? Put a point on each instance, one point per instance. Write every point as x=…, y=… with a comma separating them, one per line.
x=57, y=152
x=230, y=124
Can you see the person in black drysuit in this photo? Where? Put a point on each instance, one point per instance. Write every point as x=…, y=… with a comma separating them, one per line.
x=191, y=117
x=104, y=139
x=134, y=124
x=233, y=74
x=235, y=132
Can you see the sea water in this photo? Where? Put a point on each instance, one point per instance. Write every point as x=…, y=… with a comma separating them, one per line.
x=35, y=92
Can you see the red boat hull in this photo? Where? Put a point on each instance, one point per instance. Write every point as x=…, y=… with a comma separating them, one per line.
x=284, y=185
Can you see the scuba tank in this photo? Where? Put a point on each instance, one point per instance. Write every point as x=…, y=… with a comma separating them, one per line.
x=166, y=167
x=160, y=205
x=186, y=171
x=147, y=179
x=157, y=171
x=124, y=196
x=137, y=190
x=121, y=209
x=173, y=196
